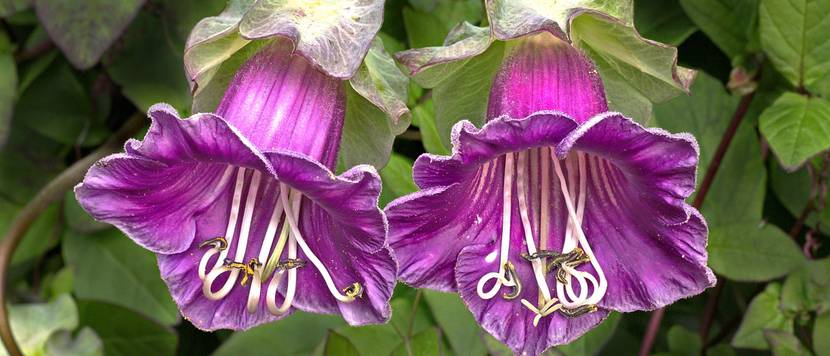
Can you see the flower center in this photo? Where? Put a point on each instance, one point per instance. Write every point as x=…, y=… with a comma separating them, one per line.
x=576, y=291
x=271, y=263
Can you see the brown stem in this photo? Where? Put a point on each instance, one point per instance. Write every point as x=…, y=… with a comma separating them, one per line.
x=708, y=179
x=53, y=191
x=802, y=218
x=709, y=312
x=34, y=52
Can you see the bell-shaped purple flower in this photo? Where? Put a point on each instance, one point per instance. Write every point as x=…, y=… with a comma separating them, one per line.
x=242, y=208
x=555, y=212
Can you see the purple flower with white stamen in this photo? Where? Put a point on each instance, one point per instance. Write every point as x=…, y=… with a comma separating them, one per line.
x=242, y=208
x=556, y=211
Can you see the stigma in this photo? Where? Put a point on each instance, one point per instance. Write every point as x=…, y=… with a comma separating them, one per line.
x=277, y=259
x=564, y=284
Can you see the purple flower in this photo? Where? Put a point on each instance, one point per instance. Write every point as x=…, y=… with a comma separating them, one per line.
x=555, y=212
x=242, y=208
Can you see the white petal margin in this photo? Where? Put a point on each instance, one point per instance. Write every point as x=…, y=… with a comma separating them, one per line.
x=333, y=34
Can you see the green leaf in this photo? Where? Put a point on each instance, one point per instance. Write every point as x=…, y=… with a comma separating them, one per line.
x=423, y=29
x=148, y=68
x=109, y=267
x=594, y=340
x=808, y=289
x=57, y=106
x=795, y=34
x=11, y=7
x=662, y=21
x=8, y=92
x=125, y=332
x=763, y=314
x=426, y=343
x=749, y=252
x=32, y=324
x=456, y=321
x=821, y=328
x=379, y=80
x=371, y=339
x=84, y=30
x=367, y=134
x=396, y=178
x=298, y=333
x=337, y=345
x=464, y=94
x=785, y=343
x=423, y=117
x=705, y=114
x=793, y=190
x=649, y=68
x=730, y=24
x=683, y=342
x=86, y=343
x=796, y=127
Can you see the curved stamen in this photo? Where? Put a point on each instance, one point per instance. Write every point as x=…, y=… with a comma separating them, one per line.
x=217, y=244
x=507, y=192
x=521, y=190
x=513, y=276
x=292, y=222
x=241, y=245
x=580, y=310
x=575, y=221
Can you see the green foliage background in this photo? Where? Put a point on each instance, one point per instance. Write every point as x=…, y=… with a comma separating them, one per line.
x=79, y=287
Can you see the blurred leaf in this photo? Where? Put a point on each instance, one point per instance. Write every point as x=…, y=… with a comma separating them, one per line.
x=821, y=328
x=423, y=117
x=808, y=289
x=426, y=343
x=10, y=7
x=31, y=71
x=84, y=30
x=594, y=340
x=730, y=24
x=793, y=191
x=8, y=93
x=298, y=333
x=763, y=314
x=57, y=106
x=182, y=15
x=622, y=56
x=684, y=342
x=720, y=350
x=371, y=339
x=396, y=178
x=423, y=29
x=406, y=318
x=32, y=324
x=77, y=218
x=125, y=332
x=336, y=344
x=463, y=95
x=148, y=67
x=662, y=21
x=705, y=114
x=109, y=267
x=796, y=127
x=57, y=283
x=795, y=35
x=458, y=324
x=86, y=343
x=784, y=343
x=749, y=252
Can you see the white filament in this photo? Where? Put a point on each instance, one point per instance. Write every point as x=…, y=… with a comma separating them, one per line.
x=575, y=218
x=521, y=190
x=237, y=199
x=241, y=245
x=256, y=283
x=292, y=222
x=505, y=236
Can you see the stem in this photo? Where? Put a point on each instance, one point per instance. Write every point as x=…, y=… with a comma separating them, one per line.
x=709, y=178
x=53, y=191
x=34, y=52
x=709, y=313
x=802, y=218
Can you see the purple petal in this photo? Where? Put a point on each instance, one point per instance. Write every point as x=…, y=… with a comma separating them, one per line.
x=153, y=192
x=546, y=73
x=278, y=100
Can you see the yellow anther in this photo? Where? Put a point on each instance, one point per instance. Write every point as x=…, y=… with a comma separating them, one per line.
x=511, y=275
x=355, y=290
x=580, y=310
x=248, y=270
x=218, y=243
